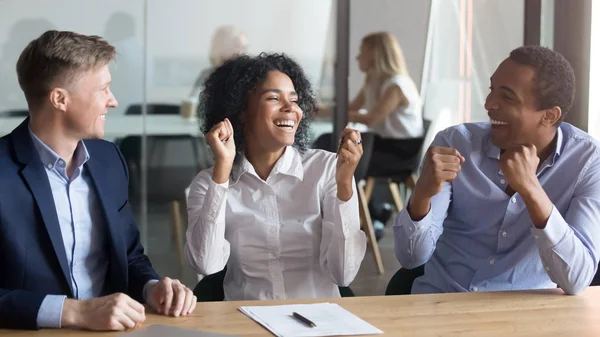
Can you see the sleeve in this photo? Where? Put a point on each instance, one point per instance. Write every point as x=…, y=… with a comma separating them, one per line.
x=415, y=241
x=568, y=245
x=206, y=249
x=19, y=309
x=50, y=313
x=343, y=244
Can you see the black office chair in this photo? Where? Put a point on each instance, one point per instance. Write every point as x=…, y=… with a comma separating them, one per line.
x=210, y=288
x=14, y=113
x=596, y=280
x=153, y=109
x=400, y=171
x=401, y=283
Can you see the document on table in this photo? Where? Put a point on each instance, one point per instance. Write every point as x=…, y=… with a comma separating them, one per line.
x=171, y=331
x=330, y=320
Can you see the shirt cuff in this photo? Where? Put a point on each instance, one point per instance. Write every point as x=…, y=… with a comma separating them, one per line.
x=146, y=288
x=554, y=232
x=410, y=226
x=215, y=196
x=347, y=210
x=50, y=312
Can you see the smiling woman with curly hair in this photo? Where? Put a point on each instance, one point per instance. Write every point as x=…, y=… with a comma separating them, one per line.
x=283, y=218
x=226, y=94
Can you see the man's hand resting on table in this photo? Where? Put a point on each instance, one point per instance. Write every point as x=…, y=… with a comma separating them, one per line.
x=120, y=312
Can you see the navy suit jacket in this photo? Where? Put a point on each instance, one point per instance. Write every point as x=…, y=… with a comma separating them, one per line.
x=33, y=261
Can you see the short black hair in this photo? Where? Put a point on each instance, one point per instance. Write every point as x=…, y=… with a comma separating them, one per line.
x=554, y=81
x=227, y=89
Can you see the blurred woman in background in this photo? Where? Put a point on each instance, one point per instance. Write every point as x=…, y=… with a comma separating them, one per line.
x=227, y=41
x=390, y=105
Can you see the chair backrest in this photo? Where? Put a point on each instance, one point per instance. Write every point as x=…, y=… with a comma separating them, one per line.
x=210, y=288
x=172, y=162
x=402, y=281
x=368, y=139
x=154, y=109
x=324, y=142
x=14, y=113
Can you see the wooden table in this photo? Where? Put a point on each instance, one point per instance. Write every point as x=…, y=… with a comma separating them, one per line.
x=528, y=313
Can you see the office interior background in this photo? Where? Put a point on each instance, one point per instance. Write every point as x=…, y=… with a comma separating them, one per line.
x=451, y=47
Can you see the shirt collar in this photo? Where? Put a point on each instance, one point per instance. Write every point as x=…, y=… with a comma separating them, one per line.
x=290, y=163
x=493, y=151
x=50, y=158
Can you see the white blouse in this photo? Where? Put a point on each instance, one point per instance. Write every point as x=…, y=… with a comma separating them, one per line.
x=407, y=120
x=286, y=237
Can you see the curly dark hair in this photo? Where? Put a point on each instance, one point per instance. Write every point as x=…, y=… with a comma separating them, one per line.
x=227, y=89
x=554, y=81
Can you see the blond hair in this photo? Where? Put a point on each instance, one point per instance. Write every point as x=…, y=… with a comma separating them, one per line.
x=227, y=42
x=56, y=59
x=388, y=59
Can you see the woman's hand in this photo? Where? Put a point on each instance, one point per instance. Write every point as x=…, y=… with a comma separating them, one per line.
x=221, y=142
x=348, y=156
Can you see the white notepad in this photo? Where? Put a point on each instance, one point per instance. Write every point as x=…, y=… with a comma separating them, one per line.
x=330, y=319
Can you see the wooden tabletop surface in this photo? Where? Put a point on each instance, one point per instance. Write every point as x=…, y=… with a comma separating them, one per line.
x=525, y=313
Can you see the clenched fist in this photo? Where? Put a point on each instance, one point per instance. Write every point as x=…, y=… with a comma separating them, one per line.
x=441, y=165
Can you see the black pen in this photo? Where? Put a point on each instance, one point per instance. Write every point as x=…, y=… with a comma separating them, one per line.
x=304, y=320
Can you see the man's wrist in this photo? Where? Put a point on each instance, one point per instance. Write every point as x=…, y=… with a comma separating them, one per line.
x=418, y=206
x=71, y=313
x=531, y=192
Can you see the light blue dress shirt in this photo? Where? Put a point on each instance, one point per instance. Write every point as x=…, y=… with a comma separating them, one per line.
x=81, y=227
x=478, y=238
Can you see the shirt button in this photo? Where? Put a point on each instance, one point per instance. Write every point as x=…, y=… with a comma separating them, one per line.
x=536, y=237
x=408, y=251
x=492, y=261
x=500, y=172
x=411, y=228
x=49, y=166
x=504, y=234
x=502, y=181
x=513, y=200
x=60, y=162
x=475, y=289
x=547, y=268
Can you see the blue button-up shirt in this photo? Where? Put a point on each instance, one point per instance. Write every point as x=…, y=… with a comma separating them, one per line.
x=478, y=238
x=81, y=227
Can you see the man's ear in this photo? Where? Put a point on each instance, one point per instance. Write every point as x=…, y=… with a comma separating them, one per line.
x=59, y=98
x=552, y=116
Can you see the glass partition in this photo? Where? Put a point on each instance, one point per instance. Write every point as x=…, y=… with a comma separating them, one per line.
x=164, y=52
